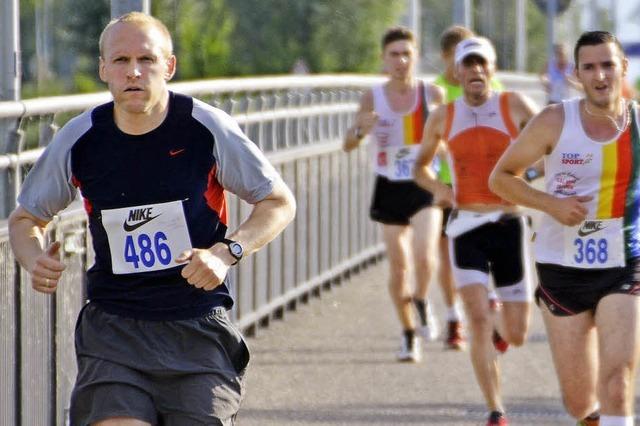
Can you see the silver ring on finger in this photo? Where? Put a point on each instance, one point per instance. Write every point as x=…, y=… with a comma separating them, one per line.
x=47, y=282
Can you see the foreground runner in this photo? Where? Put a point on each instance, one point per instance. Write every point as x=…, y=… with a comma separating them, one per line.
x=395, y=113
x=154, y=345
x=487, y=234
x=587, y=247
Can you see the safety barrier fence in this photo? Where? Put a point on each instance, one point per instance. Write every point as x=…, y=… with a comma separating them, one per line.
x=298, y=121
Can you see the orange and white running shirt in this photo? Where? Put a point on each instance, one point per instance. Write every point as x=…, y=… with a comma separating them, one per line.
x=607, y=171
x=476, y=138
x=397, y=136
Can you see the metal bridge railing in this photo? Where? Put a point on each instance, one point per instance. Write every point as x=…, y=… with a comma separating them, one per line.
x=298, y=121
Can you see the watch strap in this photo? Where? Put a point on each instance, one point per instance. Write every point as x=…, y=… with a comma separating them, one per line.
x=228, y=242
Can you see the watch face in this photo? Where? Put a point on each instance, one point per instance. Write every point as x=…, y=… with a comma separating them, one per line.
x=236, y=249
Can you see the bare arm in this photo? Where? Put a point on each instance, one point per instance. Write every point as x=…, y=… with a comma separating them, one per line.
x=268, y=218
x=536, y=140
x=544, y=77
x=431, y=140
x=522, y=108
x=436, y=96
x=366, y=118
x=573, y=82
x=207, y=268
x=26, y=234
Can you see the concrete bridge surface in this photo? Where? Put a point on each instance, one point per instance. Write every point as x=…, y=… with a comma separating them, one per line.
x=332, y=363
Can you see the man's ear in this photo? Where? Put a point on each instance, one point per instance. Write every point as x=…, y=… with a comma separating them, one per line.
x=171, y=67
x=101, y=71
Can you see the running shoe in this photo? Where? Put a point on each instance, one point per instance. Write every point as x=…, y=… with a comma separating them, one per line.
x=497, y=418
x=429, y=332
x=499, y=343
x=455, y=339
x=410, y=350
x=592, y=420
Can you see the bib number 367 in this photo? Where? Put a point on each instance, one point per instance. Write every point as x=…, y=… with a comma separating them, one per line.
x=402, y=160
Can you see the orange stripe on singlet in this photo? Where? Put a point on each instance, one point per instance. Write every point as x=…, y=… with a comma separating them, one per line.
x=506, y=115
x=448, y=120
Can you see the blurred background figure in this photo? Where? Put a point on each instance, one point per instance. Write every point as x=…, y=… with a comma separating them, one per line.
x=557, y=76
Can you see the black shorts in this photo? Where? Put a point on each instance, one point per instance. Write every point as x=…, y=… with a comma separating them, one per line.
x=498, y=249
x=568, y=291
x=394, y=203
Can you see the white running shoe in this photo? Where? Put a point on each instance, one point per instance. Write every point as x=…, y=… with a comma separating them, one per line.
x=431, y=331
x=410, y=351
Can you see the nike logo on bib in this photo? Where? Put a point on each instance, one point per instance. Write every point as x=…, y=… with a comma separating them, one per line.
x=140, y=217
x=589, y=227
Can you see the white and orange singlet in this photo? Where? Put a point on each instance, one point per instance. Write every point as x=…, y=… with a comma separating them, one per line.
x=476, y=138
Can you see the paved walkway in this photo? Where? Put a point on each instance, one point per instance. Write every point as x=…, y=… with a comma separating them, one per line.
x=331, y=362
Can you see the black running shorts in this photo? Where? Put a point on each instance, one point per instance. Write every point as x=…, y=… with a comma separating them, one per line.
x=394, y=203
x=568, y=291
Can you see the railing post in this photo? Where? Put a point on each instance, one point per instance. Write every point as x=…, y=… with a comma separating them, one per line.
x=120, y=7
x=9, y=91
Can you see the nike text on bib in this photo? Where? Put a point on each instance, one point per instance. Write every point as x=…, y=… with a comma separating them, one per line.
x=594, y=244
x=400, y=162
x=146, y=238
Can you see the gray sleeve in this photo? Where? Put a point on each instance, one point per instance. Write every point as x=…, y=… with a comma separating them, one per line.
x=242, y=167
x=48, y=187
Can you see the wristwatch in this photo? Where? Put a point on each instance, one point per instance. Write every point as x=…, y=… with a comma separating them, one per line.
x=235, y=249
x=358, y=133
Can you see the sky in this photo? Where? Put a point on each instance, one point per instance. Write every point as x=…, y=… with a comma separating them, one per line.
x=628, y=22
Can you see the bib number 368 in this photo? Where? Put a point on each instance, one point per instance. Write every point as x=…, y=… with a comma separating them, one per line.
x=591, y=251
x=594, y=244
x=143, y=249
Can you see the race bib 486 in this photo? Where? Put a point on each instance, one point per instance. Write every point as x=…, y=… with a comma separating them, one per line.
x=146, y=238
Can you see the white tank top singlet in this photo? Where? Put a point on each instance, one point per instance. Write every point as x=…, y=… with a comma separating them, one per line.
x=607, y=171
x=397, y=136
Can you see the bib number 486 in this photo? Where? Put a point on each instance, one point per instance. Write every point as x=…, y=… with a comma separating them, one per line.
x=146, y=251
x=591, y=251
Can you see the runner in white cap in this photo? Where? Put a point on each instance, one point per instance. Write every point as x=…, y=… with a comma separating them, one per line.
x=488, y=236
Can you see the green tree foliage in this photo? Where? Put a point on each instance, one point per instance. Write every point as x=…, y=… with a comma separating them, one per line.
x=330, y=35
x=536, y=39
x=202, y=35
x=222, y=37
x=269, y=35
x=345, y=35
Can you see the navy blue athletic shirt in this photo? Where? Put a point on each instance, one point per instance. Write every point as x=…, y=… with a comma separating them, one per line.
x=196, y=153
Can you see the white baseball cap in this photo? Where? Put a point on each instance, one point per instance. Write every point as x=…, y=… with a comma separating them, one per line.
x=475, y=46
